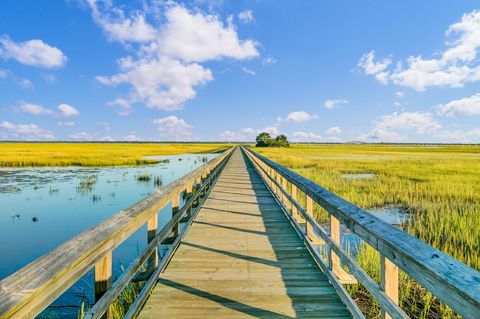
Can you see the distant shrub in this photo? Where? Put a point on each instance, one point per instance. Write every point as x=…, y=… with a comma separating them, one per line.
x=265, y=140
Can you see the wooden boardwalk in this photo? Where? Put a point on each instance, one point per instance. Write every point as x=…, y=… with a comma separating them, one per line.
x=242, y=258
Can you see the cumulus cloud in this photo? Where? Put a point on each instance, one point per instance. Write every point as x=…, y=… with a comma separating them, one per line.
x=386, y=127
x=334, y=131
x=269, y=60
x=466, y=106
x=81, y=136
x=305, y=137
x=174, y=128
x=246, y=16
x=230, y=136
x=400, y=94
x=459, y=136
x=28, y=132
x=69, y=123
x=67, y=110
x=166, y=70
x=298, y=116
x=248, y=71
x=32, y=52
x=119, y=27
x=34, y=109
x=456, y=65
x=331, y=104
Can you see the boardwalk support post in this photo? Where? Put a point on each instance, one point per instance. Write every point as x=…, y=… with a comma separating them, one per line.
x=389, y=281
x=103, y=279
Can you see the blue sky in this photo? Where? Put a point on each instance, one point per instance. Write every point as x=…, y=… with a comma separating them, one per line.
x=317, y=71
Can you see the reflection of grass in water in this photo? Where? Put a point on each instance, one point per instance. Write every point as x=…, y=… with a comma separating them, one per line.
x=87, y=184
x=53, y=190
x=440, y=186
x=157, y=181
x=96, y=198
x=144, y=177
x=93, y=154
x=9, y=189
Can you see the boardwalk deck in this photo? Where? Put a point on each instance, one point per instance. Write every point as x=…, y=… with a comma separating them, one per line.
x=242, y=258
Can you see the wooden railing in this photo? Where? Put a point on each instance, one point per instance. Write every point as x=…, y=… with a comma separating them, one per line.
x=451, y=281
x=30, y=290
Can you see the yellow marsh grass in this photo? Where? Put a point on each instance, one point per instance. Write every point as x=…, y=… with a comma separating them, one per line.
x=439, y=184
x=93, y=154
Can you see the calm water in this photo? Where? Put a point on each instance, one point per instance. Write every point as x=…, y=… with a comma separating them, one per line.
x=42, y=208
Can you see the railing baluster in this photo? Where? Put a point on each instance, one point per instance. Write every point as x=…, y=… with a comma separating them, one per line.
x=389, y=281
x=152, y=226
x=175, y=206
x=188, y=192
x=308, y=228
x=294, y=208
x=103, y=279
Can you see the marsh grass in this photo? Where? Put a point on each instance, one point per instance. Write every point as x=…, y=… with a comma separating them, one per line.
x=94, y=154
x=439, y=185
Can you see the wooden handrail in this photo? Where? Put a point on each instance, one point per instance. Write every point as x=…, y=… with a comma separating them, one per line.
x=451, y=281
x=25, y=293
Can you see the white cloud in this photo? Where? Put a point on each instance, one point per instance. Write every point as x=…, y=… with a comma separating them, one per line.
x=269, y=60
x=331, y=104
x=400, y=94
x=25, y=83
x=306, y=137
x=396, y=103
x=458, y=136
x=132, y=137
x=174, y=128
x=246, y=16
x=377, y=69
x=455, y=66
x=30, y=132
x=229, y=136
x=81, y=136
x=32, y=52
x=298, y=116
x=3, y=74
x=248, y=130
x=272, y=130
x=467, y=106
x=386, y=127
x=334, y=131
x=166, y=71
x=34, y=109
x=67, y=110
x=62, y=124
x=160, y=83
x=381, y=135
x=194, y=36
x=248, y=71
x=119, y=27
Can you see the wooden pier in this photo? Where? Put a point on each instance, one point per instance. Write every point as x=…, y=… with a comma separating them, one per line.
x=242, y=242
x=242, y=258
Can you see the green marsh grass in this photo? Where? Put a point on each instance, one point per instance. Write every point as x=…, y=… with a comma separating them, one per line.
x=438, y=184
x=94, y=154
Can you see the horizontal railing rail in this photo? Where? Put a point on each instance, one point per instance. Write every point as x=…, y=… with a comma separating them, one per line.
x=31, y=289
x=451, y=281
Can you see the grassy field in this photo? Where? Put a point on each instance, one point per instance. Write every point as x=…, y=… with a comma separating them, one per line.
x=439, y=185
x=93, y=154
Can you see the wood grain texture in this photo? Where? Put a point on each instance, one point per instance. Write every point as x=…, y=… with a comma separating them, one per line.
x=242, y=258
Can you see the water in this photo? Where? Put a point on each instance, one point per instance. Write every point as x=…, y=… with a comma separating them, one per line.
x=40, y=208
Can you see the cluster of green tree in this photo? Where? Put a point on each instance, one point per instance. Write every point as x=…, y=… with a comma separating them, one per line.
x=265, y=140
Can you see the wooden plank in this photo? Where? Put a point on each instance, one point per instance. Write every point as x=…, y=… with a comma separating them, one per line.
x=103, y=280
x=389, y=281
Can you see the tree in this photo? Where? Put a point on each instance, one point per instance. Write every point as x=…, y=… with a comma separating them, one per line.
x=281, y=141
x=263, y=140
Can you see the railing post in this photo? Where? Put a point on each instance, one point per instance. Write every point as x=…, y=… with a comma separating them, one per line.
x=175, y=206
x=198, y=184
x=335, y=235
x=152, y=226
x=294, y=208
x=188, y=191
x=389, y=281
x=308, y=228
x=103, y=279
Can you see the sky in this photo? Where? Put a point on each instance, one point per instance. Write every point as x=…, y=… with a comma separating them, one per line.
x=224, y=70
